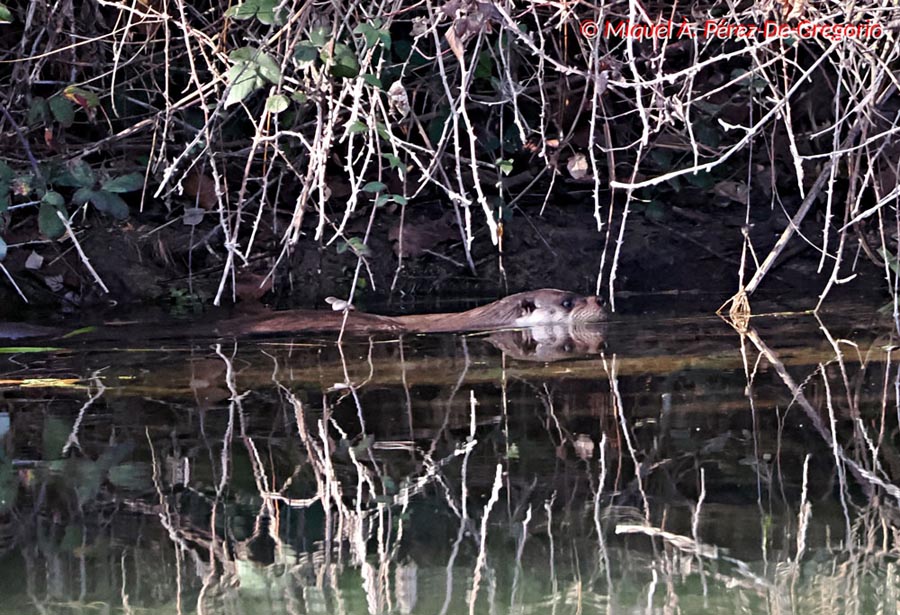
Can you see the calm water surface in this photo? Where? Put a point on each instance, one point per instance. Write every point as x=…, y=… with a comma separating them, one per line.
x=652, y=466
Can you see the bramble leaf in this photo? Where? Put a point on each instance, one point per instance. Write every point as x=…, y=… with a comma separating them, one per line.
x=124, y=183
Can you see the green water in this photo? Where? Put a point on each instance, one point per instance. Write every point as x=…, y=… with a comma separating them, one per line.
x=656, y=466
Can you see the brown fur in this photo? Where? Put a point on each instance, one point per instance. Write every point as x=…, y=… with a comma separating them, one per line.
x=537, y=307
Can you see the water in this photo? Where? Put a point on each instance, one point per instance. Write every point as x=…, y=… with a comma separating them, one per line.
x=653, y=466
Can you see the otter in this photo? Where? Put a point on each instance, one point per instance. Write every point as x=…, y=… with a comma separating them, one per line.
x=548, y=343
x=535, y=308
x=546, y=306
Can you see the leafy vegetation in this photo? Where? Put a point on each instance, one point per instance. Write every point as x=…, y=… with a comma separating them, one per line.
x=285, y=124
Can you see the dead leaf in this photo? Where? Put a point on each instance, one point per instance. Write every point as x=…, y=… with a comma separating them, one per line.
x=338, y=305
x=192, y=216
x=455, y=44
x=399, y=99
x=735, y=191
x=577, y=166
x=201, y=188
x=34, y=261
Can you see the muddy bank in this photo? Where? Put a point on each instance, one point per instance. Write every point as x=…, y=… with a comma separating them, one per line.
x=675, y=252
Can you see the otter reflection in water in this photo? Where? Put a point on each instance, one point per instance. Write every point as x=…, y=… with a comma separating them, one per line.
x=550, y=342
x=546, y=306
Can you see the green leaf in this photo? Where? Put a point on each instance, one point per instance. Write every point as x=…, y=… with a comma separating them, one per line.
x=62, y=111
x=345, y=62
x=81, y=331
x=367, y=31
x=277, y=103
x=373, y=187
x=82, y=196
x=81, y=97
x=5, y=14
x=78, y=175
x=374, y=34
x=399, y=199
x=393, y=160
x=485, y=67
x=319, y=36
x=505, y=165
x=244, y=10
x=382, y=199
x=267, y=14
x=4, y=197
x=357, y=127
x=26, y=349
x=385, y=37
x=252, y=68
x=244, y=81
x=110, y=203
x=306, y=53
x=436, y=126
x=2, y=249
x=6, y=173
x=54, y=199
x=702, y=180
x=124, y=183
x=356, y=244
x=373, y=80
x=39, y=110
x=268, y=68
x=48, y=221
x=243, y=54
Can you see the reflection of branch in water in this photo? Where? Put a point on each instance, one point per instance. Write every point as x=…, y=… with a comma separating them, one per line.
x=482, y=548
x=864, y=476
x=611, y=372
x=72, y=440
x=601, y=541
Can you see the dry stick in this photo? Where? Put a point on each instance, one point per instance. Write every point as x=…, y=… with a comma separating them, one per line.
x=84, y=258
x=13, y=282
x=750, y=133
x=460, y=195
x=598, y=86
x=788, y=232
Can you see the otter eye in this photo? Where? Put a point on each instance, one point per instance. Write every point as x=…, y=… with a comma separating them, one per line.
x=568, y=348
x=568, y=303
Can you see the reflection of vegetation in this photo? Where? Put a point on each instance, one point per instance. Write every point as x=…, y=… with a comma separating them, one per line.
x=695, y=488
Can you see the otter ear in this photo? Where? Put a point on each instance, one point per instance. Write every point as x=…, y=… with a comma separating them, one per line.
x=527, y=306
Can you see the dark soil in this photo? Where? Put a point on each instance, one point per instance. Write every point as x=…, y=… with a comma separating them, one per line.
x=672, y=253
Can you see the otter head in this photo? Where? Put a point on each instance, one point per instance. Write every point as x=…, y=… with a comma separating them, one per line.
x=550, y=306
x=550, y=342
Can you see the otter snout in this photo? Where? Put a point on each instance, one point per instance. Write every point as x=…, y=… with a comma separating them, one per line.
x=591, y=309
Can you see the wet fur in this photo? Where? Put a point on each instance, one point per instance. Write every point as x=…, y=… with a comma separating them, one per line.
x=543, y=306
